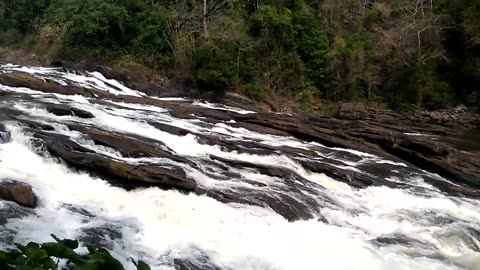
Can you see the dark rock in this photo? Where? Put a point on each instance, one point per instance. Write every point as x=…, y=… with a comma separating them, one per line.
x=284, y=205
x=260, y=129
x=395, y=240
x=20, y=193
x=383, y=137
x=4, y=134
x=126, y=175
x=36, y=125
x=133, y=147
x=271, y=171
x=62, y=110
x=170, y=128
x=19, y=79
x=139, y=78
x=101, y=237
x=201, y=261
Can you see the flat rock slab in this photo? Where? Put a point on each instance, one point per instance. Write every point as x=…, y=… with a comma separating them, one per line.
x=63, y=110
x=18, y=192
x=128, y=176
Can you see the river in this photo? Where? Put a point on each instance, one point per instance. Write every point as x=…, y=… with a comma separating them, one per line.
x=405, y=224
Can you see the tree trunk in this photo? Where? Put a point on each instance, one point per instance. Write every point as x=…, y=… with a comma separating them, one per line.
x=204, y=19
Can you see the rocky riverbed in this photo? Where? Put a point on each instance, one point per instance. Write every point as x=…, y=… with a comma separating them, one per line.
x=402, y=138
x=335, y=175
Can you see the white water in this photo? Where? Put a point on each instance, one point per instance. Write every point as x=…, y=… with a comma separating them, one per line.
x=159, y=226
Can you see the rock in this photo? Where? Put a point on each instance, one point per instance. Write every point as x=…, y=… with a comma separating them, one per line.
x=18, y=192
x=378, y=132
x=62, y=110
x=133, y=147
x=4, y=134
x=19, y=79
x=460, y=109
x=170, y=128
x=383, y=136
x=128, y=176
x=352, y=111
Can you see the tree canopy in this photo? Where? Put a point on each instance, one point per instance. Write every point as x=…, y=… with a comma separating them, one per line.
x=418, y=52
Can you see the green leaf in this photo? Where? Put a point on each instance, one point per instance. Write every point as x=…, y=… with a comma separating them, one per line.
x=91, y=249
x=142, y=266
x=28, y=267
x=48, y=263
x=20, y=247
x=86, y=266
x=102, y=258
x=61, y=251
x=73, y=244
x=35, y=253
x=9, y=256
x=32, y=245
x=20, y=260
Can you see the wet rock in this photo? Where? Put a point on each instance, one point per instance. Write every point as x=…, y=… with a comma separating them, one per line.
x=382, y=136
x=128, y=176
x=198, y=260
x=261, y=129
x=284, y=205
x=104, y=236
x=37, y=126
x=353, y=178
x=139, y=78
x=170, y=128
x=18, y=192
x=4, y=134
x=133, y=147
x=395, y=240
x=20, y=79
x=266, y=170
x=63, y=110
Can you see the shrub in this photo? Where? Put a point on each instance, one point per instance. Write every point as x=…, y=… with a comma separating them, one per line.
x=11, y=36
x=255, y=93
x=215, y=65
x=440, y=96
x=312, y=46
x=46, y=256
x=274, y=28
x=371, y=17
x=89, y=23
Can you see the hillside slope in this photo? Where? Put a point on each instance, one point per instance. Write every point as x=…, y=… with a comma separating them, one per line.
x=409, y=53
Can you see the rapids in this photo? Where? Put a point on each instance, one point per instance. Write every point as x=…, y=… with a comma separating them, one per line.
x=405, y=224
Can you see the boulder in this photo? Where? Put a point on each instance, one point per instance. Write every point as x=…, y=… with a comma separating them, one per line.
x=62, y=110
x=18, y=192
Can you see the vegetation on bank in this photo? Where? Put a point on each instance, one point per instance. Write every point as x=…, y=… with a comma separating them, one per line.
x=403, y=52
x=60, y=255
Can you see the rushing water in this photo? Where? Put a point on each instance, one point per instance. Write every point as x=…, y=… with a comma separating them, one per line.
x=406, y=225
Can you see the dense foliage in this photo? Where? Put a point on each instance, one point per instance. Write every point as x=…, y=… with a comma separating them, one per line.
x=60, y=255
x=418, y=52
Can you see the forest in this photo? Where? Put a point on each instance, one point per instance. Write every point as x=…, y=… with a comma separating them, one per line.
x=404, y=53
